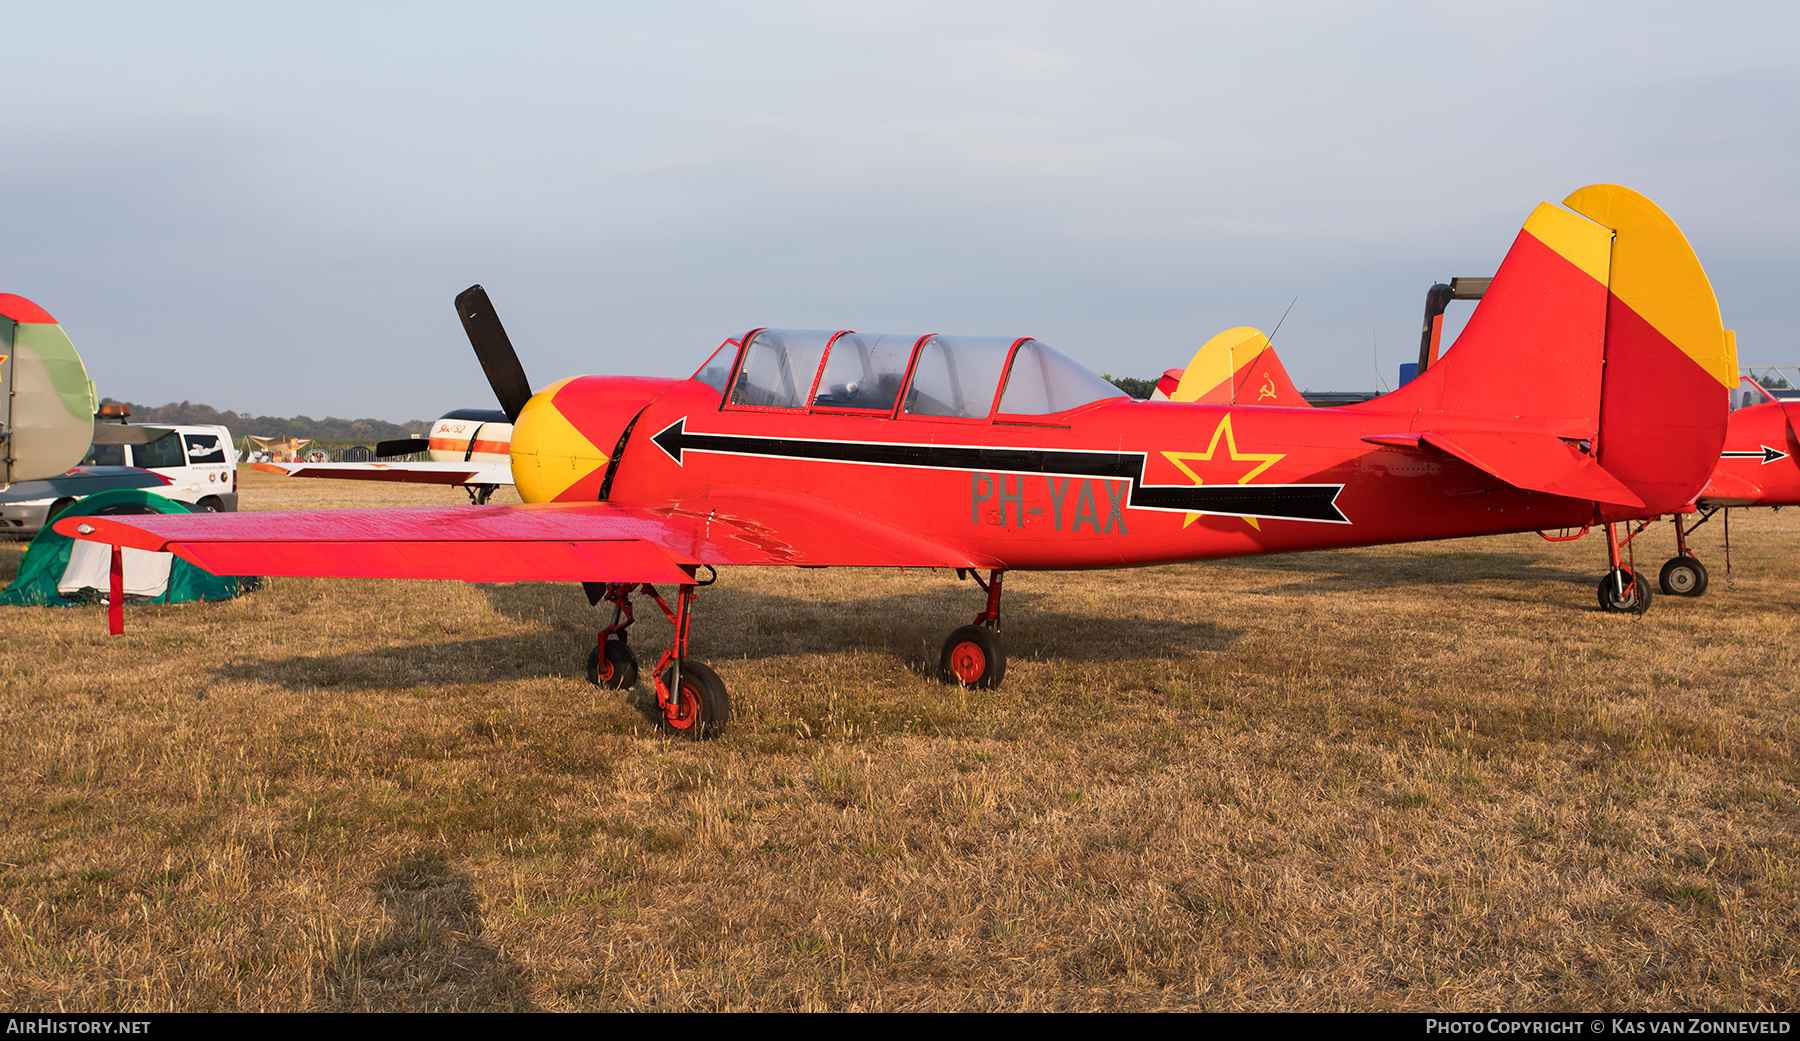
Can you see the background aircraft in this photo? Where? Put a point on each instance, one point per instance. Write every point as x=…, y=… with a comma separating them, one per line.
x=1758, y=466
x=1586, y=389
x=46, y=399
x=468, y=447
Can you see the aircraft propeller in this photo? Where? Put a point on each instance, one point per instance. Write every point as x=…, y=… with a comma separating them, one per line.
x=495, y=350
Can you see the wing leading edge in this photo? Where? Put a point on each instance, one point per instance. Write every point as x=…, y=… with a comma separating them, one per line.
x=551, y=542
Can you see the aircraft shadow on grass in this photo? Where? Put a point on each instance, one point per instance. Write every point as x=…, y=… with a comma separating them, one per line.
x=432, y=954
x=1338, y=572
x=742, y=625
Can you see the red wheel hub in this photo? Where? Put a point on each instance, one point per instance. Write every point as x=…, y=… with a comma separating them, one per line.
x=682, y=709
x=967, y=662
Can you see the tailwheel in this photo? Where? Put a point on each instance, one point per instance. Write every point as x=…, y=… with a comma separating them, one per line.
x=1683, y=576
x=973, y=657
x=699, y=708
x=1624, y=590
x=612, y=665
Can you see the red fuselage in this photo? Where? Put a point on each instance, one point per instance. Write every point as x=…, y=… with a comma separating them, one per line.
x=1112, y=484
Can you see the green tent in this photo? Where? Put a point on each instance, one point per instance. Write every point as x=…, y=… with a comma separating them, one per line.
x=58, y=571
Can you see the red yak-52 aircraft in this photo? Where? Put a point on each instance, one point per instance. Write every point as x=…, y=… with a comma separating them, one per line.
x=1587, y=387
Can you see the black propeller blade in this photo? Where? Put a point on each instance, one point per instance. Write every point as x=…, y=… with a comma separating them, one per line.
x=498, y=359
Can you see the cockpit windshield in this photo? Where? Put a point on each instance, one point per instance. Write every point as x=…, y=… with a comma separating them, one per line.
x=864, y=370
x=778, y=367
x=955, y=377
x=1042, y=381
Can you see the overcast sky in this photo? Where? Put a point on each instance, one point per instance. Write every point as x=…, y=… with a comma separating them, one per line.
x=271, y=212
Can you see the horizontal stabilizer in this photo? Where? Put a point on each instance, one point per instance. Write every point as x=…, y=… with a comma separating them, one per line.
x=1535, y=462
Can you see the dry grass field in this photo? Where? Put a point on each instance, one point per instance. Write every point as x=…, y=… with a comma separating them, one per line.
x=1422, y=777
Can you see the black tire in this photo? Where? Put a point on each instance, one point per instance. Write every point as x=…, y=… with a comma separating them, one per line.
x=617, y=670
x=1622, y=590
x=1683, y=576
x=700, y=707
x=973, y=657
x=56, y=510
x=211, y=504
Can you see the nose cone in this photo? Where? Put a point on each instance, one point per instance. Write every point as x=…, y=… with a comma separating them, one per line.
x=567, y=432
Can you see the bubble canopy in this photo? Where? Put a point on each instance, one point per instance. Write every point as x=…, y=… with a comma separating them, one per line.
x=884, y=374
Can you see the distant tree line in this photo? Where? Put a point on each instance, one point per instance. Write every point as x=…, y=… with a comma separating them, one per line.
x=1137, y=388
x=329, y=428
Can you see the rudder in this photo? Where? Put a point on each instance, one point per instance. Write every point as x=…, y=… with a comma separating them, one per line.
x=1668, y=355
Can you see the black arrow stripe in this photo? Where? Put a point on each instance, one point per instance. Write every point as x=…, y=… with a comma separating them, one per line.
x=1303, y=502
x=1765, y=453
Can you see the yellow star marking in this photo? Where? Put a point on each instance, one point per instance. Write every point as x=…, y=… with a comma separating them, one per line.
x=1264, y=460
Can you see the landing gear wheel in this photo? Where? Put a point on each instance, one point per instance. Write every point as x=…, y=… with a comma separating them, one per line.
x=56, y=510
x=700, y=708
x=1623, y=590
x=1683, y=576
x=973, y=657
x=617, y=669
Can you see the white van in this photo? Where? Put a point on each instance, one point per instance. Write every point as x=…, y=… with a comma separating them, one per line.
x=199, y=462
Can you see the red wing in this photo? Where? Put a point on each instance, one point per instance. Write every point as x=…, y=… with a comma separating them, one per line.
x=585, y=542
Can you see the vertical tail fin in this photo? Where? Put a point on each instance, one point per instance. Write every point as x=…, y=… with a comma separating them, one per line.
x=1601, y=329
x=1237, y=367
x=1531, y=355
x=46, y=400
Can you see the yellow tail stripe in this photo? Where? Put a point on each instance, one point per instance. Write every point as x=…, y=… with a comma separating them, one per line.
x=1576, y=239
x=1655, y=273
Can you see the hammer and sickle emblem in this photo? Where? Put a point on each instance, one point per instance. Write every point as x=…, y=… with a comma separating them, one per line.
x=1268, y=389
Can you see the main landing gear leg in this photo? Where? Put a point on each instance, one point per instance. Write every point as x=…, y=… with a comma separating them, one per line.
x=1623, y=589
x=691, y=699
x=611, y=663
x=1685, y=575
x=974, y=655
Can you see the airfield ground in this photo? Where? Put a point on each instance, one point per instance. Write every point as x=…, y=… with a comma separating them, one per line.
x=1423, y=777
